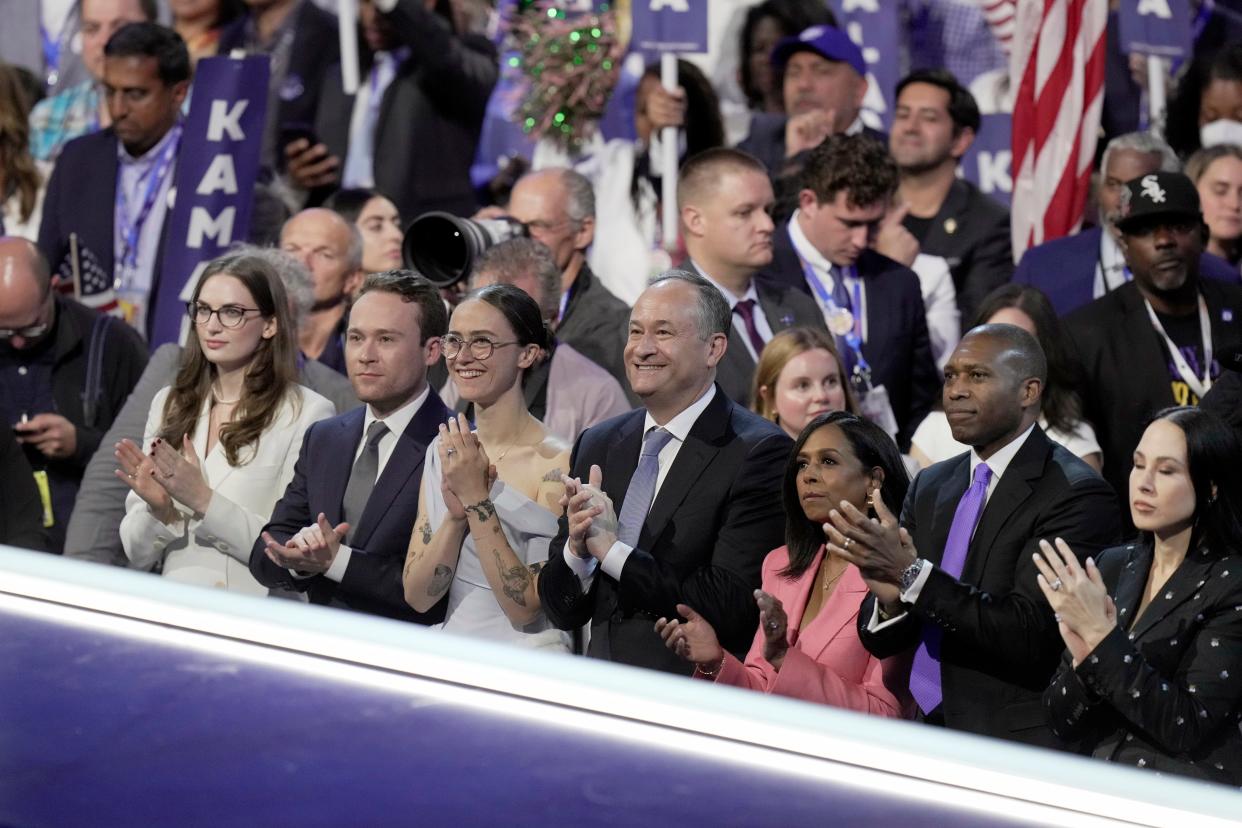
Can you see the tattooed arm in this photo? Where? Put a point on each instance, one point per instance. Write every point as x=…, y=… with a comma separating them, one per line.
x=514, y=584
x=432, y=555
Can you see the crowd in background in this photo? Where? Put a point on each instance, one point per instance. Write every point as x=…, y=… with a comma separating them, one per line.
x=1010, y=491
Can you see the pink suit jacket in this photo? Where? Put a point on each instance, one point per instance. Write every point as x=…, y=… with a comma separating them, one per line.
x=826, y=662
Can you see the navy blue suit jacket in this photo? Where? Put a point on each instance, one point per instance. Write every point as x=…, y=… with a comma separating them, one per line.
x=372, y=581
x=81, y=198
x=897, y=347
x=1064, y=269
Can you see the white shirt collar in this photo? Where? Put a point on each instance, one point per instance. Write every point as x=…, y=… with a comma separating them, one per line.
x=680, y=425
x=1001, y=458
x=398, y=420
x=150, y=155
x=856, y=127
x=750, y=293
x=809, y=253
x=1110, y=252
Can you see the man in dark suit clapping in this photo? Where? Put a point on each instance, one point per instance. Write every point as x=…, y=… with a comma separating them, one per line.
x=678, y=507
x=342, y=528
x=960, y=587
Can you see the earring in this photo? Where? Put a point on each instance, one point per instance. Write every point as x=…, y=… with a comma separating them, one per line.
x=871, y=498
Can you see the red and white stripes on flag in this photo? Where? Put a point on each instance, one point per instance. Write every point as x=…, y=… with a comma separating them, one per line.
x=1057, y=67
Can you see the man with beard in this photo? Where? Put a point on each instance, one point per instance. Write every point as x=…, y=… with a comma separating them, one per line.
x=1152, y=342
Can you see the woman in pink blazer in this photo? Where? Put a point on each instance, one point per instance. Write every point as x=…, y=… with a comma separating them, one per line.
x=807, y=643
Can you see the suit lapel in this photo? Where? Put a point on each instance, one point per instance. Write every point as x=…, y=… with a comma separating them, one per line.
x=779, y=313
x=946, y=506
x=1130, y=584
x=837, y=614
x=405, y=461
x=953, y=206
x=1012, y=490
x=622, y=458
x=1183, y=585
x=699, y=449
x=1140, y=345
x=344, y=440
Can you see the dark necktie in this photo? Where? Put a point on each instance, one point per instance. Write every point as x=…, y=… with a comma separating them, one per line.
x=362, y=478
x=925, y=671
x=841, y=298
x=746, y=309
x=641, y=491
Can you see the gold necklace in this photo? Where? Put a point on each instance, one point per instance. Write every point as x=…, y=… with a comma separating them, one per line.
x=512, y=446
x=828, y=583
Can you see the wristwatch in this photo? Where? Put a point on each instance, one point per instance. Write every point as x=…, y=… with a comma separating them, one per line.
x=910, y=574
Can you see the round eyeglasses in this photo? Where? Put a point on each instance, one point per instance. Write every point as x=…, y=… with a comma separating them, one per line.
x=480, y=346
x=231, y=316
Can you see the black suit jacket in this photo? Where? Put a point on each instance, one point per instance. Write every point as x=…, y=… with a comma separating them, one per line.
x=971, y=232
x=783, y=307
x=372, y=581
x=703, y=543
x=429, y=118
x=596, y=325
x=1124, y=362
x=898, y=347
x=1163, y=692
x=316, y=48
x=766, y=141
x=81, y=198
x=1000, y=643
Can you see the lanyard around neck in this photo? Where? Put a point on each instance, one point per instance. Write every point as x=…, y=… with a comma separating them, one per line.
x=1199, y=386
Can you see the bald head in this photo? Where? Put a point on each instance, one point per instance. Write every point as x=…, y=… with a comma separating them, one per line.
x=24, y=283
x=330, y=247
x=1016, y=349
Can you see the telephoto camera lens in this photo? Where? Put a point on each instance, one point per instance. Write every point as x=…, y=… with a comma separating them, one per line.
x=444, y=247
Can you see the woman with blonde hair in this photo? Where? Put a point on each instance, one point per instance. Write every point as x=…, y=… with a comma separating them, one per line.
x=800, y=375
x=1217, y=174
x=236, y=404
x=22, y=179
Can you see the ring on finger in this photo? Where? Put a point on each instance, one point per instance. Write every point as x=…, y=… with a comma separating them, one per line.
x=846, y=545
x=450, y=452
x=773, y=626
x=1055, y=585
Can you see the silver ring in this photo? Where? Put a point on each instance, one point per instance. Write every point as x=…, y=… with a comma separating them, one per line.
x=773, y=626
x=132, y=475
x=450, y=452
x=1055, y=585
x=846, y=545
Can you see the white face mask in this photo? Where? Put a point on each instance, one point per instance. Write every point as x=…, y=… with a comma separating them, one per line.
x=1222, y=131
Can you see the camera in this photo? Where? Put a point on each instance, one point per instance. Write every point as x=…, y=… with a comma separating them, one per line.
x=444, y=247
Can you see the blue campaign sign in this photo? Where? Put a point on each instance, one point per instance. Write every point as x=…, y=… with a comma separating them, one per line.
x=1155, y=27
x=874, y=26
x=217, y=166
x=987, y=163
x=660, y=26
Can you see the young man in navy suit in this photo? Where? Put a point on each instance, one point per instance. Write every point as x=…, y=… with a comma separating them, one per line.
x=341, y=530
x=872, y=304
x=671, y=503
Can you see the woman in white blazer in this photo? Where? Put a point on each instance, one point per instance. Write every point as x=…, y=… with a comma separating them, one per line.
x=236, y=404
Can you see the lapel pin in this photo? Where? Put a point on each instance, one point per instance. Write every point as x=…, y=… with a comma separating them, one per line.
x=787, y=320
x=950, y=226
x=1226, y=315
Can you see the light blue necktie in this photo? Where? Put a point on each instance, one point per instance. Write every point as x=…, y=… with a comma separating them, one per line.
x=642, y=487
x=925, y=671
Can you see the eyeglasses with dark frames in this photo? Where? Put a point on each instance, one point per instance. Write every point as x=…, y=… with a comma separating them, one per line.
x=230, y=316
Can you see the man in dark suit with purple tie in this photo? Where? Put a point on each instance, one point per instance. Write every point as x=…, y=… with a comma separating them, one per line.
x=960, y=590
x=341, y=530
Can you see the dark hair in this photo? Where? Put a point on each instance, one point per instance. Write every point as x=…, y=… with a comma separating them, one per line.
x=519, y=309
x=1213, y=457
x=411, y=286
x=873, y=447
x=713, y=312
x=1061, y=405
x=792, y=16
x=514, y=258
x=271, y=374
x=349, y=203
x=962, y=107
x=149, y=8
x=154, y=41
x=704, y=126
x=21, y=176
x=226, y=12
x=1182, y=127
x=858, y=165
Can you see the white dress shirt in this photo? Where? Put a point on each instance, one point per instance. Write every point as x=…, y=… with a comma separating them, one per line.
x=998, y=463
x=827, y=272
x=679, y=427
x=761, y=319
x=397, y=423
x=1110, y=270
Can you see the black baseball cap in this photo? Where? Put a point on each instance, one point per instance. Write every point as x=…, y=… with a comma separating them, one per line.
x=1168, y=195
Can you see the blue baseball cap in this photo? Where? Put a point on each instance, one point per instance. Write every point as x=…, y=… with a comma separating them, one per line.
x=827, y=42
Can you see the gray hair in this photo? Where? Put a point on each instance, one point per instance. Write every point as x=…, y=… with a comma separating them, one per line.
x=713, y=315
x=1146, y=143
x=353, y=253
x=298, y=282
x=580, y=195
x=516, y=257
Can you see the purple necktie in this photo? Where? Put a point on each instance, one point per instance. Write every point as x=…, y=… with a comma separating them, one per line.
x=925, y=671
x=641, y=491
x=746, y=309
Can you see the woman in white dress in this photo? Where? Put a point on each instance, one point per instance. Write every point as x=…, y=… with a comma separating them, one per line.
x=1061, y=413
x=235, y=404
x=489, y=503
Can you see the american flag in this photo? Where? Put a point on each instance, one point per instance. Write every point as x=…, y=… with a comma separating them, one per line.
x=96, y=289
x=1057, y=67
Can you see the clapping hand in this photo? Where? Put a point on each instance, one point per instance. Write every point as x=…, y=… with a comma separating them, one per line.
x=692, y=639
x=592, y=518
x=875, y=545
x=468, y=475
x=137, y=470
x=1084, y=611
x=775, y=625
x=181, y=474
x=311, y=550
